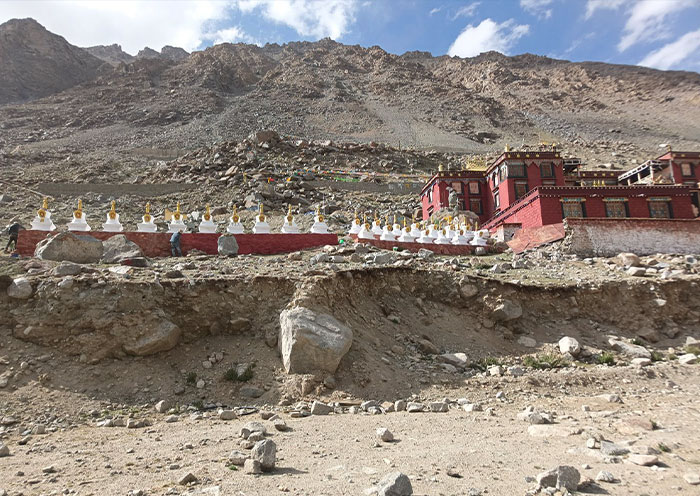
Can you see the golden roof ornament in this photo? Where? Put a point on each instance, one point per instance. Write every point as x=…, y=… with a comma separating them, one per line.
x=207, y=213
x=507, y=148
x=364, y=218
x=289, y=214
x=113, y=210
x=147, y=215
x=177, y=214
x=79, y=212
x=235, y=217
x=261, y=217
x=441, y=168
x=357, y=219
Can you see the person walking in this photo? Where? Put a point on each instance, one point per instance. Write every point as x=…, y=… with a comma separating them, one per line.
x=175, y=244
x=13, y=230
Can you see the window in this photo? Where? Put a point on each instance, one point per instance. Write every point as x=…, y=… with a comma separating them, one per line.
x=516, y=170
x=660, y=208
x=520, y=189
x=475, y=206
x=572, y=207
x=504, y=172
x=430, y=195
x=615, y=207
x=473, y=188
x=496, y=200
x=548, y=182
x=547, y=169
x=457, y=186
x=495, y=178
x=687, y=170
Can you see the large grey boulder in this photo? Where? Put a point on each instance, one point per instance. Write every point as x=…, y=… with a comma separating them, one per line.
x=569, y=345
x=70, y=247
x=227, y=245
x=561, y=477
x=507, y=310
x=161, y=337
x=119, y=248
x=311, y=341
x=20, y=289
x=629, y=349
x=265, y=452
x=395, y=484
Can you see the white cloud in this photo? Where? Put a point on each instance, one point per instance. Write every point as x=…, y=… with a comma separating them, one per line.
x=647, y=20
x=488, y=35
x=434, y=11
x=537, y=7
x=593, y=5
x=228, y=35
x=467, y=10
x=316, y=18
x=672, y=54
x=133, y=24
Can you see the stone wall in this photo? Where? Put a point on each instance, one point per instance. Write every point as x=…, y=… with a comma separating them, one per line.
x=608, y=237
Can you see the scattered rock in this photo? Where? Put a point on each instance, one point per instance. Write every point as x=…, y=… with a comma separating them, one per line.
x=604, y=476
x=395, y=484
x=629, y=349
x=118, y=248
x=414, y=407
x=227, y=246
x=318, y=408
x=692, y=478
x=20, y=289
x=628, y=260
x=612, y=449
x=188, y=478
x=506, y=311
x=569, y=345
x=688, y=359
x=70, y=247
x=163, y=406
x=385, y=434
x=643, y=460
x=251, y=466
x=561, y=477
x=4, y=450
x=265, y=452
x=237, y=458
x=227, y=415
x=251, y=427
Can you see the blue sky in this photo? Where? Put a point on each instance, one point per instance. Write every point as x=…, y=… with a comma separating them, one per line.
x=657, y=33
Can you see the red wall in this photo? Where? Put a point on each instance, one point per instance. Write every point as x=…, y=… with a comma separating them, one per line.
x=158, y=244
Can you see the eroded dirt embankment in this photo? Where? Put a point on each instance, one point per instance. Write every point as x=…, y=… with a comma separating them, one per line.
x=385, y=307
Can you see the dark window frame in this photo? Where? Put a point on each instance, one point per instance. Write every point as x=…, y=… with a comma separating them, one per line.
x=551, y=168
x=515, y=189
x=582, y=204
x=669, y=205
x=692, y=169
x=624, y=203
x=511, y=172
x=476, y=201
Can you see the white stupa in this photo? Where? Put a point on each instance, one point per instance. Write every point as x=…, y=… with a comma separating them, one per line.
x=234, y=223
x=356, y=225
x=480, y=237
x=42, y=221
x=147, y=224
x=177, y=221
x=459, y=238
x=425, y=238
x=442, y=239
x=415, y=229
x=388, y=233
x=207, y=225
x=406, y=236
x=261, y=226
x=319, y=226
x=377, y=226
x=397, y=226
x=290, y=225
x=433, y=231
x=366, y=231
x=112, y=223
x=79, y=222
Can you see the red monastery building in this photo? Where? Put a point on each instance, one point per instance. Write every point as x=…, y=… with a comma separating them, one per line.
x=529, y=189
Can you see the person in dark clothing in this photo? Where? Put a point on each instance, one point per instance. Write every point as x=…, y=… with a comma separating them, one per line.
x=13, y=230
x=175, y=244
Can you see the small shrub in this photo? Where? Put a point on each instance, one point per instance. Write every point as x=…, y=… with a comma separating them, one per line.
x=198, y=404
x=231, y=374
x=606, y=358
x=657, y=356
x=544, y=361
x=637, y=341
x=692, y=348
x=232, y=467
x=246, y=376
x=191, y=377
x=485, y=363
x=662, y=447
x=672, y=356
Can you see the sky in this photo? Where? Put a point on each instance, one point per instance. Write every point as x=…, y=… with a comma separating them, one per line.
x=663, y=34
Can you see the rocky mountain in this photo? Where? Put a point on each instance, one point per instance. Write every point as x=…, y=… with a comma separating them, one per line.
x=112, y=54
x=36, y=63
x=171, y=101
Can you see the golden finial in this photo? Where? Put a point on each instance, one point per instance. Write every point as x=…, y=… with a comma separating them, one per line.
x=441, y=168
x=45, y=204
x=357, y=219
x=79, y=212
x=404, y=222
x=507, y=148
x=147, y=215
x=289, y=214
x=319, y=215
x=261, y=217
x=113, y=210
x=394, y=218
x=235, y=217
x=476, y=225
x=176, y=213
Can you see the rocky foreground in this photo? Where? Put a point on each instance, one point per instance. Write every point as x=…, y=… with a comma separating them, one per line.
x=541, y=373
